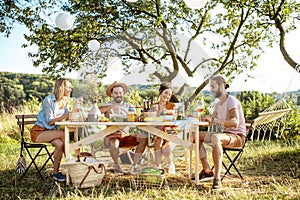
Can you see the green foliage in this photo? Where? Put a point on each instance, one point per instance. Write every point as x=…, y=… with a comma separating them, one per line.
x=243, y=28
x=149, y=94
x=292, y=124
x=33, y=105
x=16, y=89
x=8, y=122
x=255, y=102
x=192, y=107
x=136, y=100
x=90, y=92
x=11, y=93
x=13, y=12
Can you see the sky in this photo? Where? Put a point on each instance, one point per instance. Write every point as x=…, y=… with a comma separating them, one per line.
x=273, y=74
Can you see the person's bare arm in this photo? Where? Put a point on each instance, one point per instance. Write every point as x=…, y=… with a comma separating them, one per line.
x=209, y=119
x=104, y=109
x=59, y=119
x=232, y=122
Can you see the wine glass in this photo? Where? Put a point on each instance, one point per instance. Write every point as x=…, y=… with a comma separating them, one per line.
x=200, y=108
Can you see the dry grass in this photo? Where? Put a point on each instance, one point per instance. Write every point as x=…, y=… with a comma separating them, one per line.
x=270, y=170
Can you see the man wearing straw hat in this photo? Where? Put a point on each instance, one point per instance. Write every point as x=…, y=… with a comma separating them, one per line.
x=121, y=138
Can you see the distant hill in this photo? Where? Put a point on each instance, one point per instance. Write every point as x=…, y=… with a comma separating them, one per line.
x=17, y=88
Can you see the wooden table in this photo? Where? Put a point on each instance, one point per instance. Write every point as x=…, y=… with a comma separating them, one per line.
x=111, y=127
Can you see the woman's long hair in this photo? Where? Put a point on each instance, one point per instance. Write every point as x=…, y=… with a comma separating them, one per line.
x=59, y=88
x=166, y=85
x=163, y=86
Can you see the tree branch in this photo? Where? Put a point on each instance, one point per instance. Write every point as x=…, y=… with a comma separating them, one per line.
x=195, y=35
x=286, y=56
x=226, y=61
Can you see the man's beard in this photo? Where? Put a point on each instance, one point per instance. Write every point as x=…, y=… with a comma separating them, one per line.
x=118, y=99
x=218, y=93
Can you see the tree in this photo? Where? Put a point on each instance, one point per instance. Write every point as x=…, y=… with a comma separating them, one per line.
x=16, y=89
x=18, y=11
x=237, y=30
x=12, y=94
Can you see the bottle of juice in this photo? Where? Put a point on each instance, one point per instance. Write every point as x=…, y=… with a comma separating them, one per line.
x=131, y=114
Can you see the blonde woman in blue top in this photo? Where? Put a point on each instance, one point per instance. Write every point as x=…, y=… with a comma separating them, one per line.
x=54, y=109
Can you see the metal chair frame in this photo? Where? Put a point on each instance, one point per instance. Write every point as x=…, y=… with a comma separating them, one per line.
x=238, y=150
x=22, y=121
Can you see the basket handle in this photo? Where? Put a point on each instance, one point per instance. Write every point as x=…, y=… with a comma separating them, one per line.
x=101, y=166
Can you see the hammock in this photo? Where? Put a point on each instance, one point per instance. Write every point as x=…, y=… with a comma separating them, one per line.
x=272, y=117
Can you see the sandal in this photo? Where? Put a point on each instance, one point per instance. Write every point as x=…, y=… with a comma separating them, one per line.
x=118, y=172
x=203, y=175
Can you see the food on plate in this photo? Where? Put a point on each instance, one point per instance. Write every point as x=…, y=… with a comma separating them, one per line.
x=104, y=119
x=152, y=119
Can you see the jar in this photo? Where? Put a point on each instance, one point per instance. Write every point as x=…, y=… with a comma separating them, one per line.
x=95, y=114
x=131, y=114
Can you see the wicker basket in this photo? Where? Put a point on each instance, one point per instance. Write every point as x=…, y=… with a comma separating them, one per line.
x=84, y=174
x=146, y=181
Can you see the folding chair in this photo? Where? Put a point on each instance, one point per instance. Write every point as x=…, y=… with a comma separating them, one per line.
x=238, y=150
x=28, y=146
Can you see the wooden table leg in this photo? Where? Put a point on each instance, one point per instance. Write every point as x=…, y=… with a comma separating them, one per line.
x=67, y=151
x=197, y=155
x=77, y=151
x=191, y=156
x=67, y=143
x=149, y=150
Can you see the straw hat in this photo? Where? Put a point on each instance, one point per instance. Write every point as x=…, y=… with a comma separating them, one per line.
x=116, y=84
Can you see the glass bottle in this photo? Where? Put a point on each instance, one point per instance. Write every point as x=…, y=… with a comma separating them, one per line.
x=95, y=114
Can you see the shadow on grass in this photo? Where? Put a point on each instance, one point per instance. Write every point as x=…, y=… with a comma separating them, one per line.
x=259, y=164
x=272, y=162
x=33, y=187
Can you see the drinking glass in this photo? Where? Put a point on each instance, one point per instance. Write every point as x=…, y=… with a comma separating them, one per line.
x=200, y=108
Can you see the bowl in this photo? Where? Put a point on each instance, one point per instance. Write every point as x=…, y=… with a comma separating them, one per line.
x=117, y=118
x=150, y=114
x=168, y=117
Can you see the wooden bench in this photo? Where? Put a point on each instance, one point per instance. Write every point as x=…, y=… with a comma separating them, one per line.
x=22, y=121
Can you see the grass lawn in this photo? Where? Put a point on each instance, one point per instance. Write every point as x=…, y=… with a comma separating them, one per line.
x=270, y=169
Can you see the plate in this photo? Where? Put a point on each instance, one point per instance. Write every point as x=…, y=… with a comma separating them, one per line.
x=168, y=117
x=153, y=119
